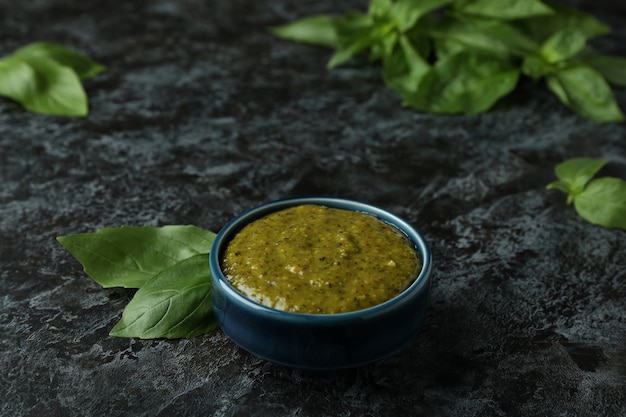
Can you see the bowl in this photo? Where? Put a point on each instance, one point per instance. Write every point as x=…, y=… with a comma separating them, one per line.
x=320, y=341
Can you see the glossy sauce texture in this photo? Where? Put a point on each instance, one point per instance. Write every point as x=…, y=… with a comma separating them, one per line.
x=321, y=260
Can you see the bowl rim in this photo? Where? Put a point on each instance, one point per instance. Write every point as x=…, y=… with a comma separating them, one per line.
x=233, y=226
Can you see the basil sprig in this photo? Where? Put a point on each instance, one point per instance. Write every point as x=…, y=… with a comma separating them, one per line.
x=168, y=265
x=462, y=56
x=46, y=78
x=600, y=201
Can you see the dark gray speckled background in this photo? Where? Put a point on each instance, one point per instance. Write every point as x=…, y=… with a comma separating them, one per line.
x=203, y=114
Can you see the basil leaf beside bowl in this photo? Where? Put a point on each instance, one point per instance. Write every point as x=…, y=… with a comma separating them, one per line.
x=175, y=304
x=128, y=256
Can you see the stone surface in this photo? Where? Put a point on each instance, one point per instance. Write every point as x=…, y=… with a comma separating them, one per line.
x=203, y=114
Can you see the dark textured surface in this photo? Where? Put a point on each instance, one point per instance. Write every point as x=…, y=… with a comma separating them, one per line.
x=203, y=114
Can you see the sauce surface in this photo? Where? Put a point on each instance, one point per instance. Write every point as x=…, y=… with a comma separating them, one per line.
x=321, y=260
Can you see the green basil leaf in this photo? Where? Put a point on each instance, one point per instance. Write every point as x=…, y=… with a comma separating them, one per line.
x=489, y=35
x=540, y=28
x=404, y=68
x=613, y=68
x=315, y=30
x=564, y=186
x=603, y=202
x=506, y=9
x=379, y=8
x=128, y=256
x=562, y=45
x=83, y=67
x=467, y=82
x=175, y=304
x=348, y=49
x=354, y=36
x=445, y=48
x=575, y=173
x=42, y=86
x=555, y=85
x=383, y=47
x=583, y=89
x=352, y=22
x=407, y=12
x=535, y=67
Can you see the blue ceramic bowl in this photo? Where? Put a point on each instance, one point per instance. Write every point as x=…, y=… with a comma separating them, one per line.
x=319, y=341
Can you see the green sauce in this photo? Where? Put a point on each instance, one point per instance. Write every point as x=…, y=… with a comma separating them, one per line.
x=316, y=259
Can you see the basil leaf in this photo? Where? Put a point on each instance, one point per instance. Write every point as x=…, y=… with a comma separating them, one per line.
x=352, y=21
x=466, y=32
x=574, y=174
x=80, y=64
x=537, y=38
x=404, y=68
x=506, y=9
x=564, y=186
x=579, y=171
x=541, y=28
x=613, y=68
x=354, y=36
x=349, y=48
x=128, y=256
x=583, y=89
x=447, y=47
x=42, y=86
x=44, y=77
x=383, y=47
x=407, y=12
x=315, y=30
x=603, y=202
x=489, y=35
x=562, y=45
x=379, y=7
x=536, y=67
x=467, y=82
x=175, y=304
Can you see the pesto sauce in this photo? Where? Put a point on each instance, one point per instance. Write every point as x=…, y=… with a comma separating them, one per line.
x=316, y=259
